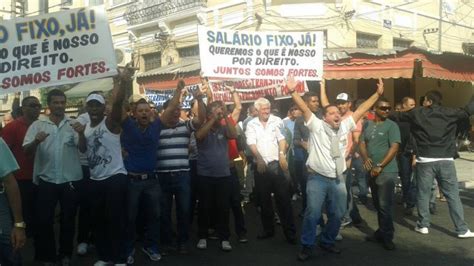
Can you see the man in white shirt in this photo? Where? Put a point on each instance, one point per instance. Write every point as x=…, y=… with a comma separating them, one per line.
x=326, y=166
x=268, y=147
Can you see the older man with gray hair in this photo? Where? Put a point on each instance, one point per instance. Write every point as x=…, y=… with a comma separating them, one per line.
x=268, y=147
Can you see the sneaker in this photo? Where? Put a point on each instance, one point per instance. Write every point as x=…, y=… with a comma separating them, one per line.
x=243, y=239
x=202, y=244
x=152, y=253
x=130, y=258
x=345, y=222
x=422, y=230
x=225, y=245
x=468, y=234
x=304, y=253
x=339, y=237
x=433, y=208
x=101, y=263
x=82, y=249
x=212, y=234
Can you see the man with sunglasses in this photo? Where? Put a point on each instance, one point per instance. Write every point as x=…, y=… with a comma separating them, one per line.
x=13, y=134
x=378, y=146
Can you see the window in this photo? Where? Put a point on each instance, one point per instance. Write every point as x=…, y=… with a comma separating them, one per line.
x=152, y=61
x=96, y=2
x=468, y=48
x=401, y=44
x=365, y=40
x=67, y=2
x=189, y=51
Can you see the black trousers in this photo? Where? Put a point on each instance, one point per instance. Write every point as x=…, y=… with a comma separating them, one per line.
x=28, y=192
x=49, y=195
x=275, y=181
x=109, y=214
x=85, y=223
x=214, y=190
x=235, y=204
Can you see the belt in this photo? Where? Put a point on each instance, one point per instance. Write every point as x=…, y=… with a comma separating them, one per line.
x=142, y=176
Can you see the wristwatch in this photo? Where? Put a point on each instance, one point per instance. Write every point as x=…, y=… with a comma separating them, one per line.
x=379, y=165
x=21, y=225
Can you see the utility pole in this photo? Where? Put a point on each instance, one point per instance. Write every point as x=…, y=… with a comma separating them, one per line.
x=13, y=9
x=440, y=24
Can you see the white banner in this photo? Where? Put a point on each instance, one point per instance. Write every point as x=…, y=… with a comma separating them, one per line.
x=261, y=55
x=53, y=49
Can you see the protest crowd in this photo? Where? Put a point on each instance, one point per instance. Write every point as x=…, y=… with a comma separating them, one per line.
x=127, y=176
x=136, y=162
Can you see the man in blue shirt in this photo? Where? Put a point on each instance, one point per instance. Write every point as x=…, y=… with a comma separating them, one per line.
x=140, y=139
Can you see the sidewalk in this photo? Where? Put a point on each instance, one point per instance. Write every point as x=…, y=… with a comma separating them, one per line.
x=465, y=169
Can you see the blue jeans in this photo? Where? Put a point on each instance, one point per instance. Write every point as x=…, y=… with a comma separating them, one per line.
x=408, y=186
x=445, y=173
x=179, y=185
x=360, y=175
x=383, y=196
x=322, y=190
x=144, y=194
x=352, y=212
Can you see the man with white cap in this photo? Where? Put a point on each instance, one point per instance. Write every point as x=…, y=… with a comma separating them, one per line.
x=344, y=104
x=100, y=140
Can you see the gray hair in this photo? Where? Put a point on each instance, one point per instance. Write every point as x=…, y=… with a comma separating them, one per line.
x=261, y=102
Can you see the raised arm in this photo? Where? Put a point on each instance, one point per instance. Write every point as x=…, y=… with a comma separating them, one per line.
x=199, y=108
x=122, y=83
x=365, y=106
x=237, y=103
x=167, y=115
x=202, y=132
x=231, y=128
x=291, y=84
x=323, y=95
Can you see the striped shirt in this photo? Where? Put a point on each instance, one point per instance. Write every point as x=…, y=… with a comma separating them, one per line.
x=173, y=149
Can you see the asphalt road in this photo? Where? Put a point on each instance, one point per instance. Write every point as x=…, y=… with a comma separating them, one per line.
x=440, y=247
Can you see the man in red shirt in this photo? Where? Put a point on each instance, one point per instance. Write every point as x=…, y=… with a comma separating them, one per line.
x=13, y=134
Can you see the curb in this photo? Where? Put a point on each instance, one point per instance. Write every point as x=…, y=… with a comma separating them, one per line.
x=466, y=184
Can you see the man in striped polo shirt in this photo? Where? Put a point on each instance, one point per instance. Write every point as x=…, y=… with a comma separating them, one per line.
x=174, y=172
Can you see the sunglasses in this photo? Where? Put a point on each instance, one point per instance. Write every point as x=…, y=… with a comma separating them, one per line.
x=385, y=108
x=35, y=105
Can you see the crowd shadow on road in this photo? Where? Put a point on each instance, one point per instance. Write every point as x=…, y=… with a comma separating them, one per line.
x=467, y=197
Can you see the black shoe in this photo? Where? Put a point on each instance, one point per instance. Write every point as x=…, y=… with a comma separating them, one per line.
x=389, y=245
x=432, y=208
x=330, y=249
x=304, y=253
x=265, y=235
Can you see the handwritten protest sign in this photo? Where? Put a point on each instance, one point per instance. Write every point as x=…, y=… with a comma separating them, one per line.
x=261, y=55
x=250, y=90
x=53, y=49
x=159, y=97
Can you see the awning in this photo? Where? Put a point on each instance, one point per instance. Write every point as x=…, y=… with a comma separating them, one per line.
x=448, y=67
x=370, y=69
x=82, y=89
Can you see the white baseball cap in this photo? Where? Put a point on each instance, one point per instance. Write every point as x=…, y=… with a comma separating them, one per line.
x=95, y=97
x=343, y=97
